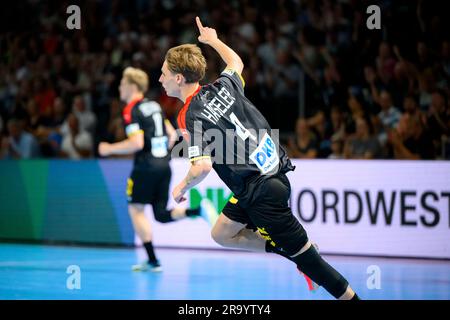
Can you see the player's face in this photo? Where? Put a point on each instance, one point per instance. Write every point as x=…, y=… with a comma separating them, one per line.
x=169, y=81
x=125, y=90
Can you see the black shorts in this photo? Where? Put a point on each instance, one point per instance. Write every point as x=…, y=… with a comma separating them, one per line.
x=149, y=186
x=270, y=214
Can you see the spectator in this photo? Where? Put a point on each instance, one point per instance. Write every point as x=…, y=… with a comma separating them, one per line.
x=324, y=47
x=19, y=144
x=36, y=120
x=49, y=134
x=439, y=119
x=76, y=143
x=59, y=112
x=356, y=107
x=86, y=117
x=424, y=59
x=372, y=85
x=45, y=95
x=323, y=130
x=362, y=145
x=410, y=141
x=385, y=62
x=285, y=76
x=389, y=114
x=337, y=123
x=126, y=34
x=388, y=117
x=337, y=148
x=304, y=144
x=267, y=51
x=426, y=87
x=411, y=107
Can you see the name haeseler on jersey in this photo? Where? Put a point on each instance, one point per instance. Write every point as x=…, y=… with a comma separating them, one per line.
x=218, y=106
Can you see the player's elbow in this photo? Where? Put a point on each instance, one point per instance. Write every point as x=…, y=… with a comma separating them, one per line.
x=203, y=166
x=140, y=146
x=206, y=166
x=236, y=64
x=239, y=65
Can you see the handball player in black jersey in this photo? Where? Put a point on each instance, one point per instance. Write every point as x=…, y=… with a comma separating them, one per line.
x=148, y=140
x=227, y=133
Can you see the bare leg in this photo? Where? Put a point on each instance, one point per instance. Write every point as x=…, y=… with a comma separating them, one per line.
x=303, y=249
x=143, y=229
x=349, y=293
x=140, y=222
x=178, y=213
x=232, y=234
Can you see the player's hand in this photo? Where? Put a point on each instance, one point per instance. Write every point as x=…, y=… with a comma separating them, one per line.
x=103, y=149
x=178, y=193
x=207, y=35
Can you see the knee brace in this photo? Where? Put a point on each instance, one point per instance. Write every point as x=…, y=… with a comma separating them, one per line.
x=312, y=264
x=162, y=215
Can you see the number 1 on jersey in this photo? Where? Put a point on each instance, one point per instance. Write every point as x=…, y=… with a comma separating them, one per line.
x=157, y=119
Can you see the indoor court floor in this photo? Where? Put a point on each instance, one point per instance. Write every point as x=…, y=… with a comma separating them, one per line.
x=30, y=271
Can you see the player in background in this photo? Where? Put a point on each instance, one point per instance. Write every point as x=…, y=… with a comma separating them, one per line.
x=149, y=180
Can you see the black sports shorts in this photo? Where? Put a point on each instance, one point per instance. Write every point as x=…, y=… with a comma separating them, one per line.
x=149, y=186
x=270, y=214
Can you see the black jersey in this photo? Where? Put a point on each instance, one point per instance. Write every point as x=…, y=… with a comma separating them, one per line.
x=220, y=122
x=146, y=116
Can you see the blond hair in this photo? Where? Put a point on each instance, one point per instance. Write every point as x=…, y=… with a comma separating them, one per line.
x=138, y=77
x=188, y=60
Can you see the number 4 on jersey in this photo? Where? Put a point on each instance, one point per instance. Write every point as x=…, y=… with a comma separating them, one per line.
x=242, y=132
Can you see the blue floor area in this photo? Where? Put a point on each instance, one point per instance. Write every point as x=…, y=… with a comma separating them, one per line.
x=39, y=272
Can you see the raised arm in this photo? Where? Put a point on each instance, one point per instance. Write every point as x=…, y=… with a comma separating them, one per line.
x=209, y=36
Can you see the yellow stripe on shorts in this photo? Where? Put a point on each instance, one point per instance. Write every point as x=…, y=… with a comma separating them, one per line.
x=233, y=200
x=130, y=185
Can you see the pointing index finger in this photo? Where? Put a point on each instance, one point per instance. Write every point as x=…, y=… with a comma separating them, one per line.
x=199, y=23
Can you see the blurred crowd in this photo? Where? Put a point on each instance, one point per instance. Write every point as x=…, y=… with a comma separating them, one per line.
x=334, y=88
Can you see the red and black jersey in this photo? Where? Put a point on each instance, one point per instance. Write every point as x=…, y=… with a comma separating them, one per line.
x=220, y=122
x=146, y=116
